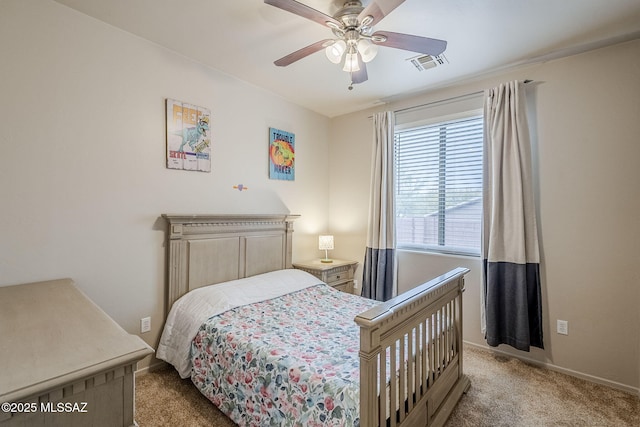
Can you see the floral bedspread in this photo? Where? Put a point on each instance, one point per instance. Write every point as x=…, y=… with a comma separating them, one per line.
x=288, y=361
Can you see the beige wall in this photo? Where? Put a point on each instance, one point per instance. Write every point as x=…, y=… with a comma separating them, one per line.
x=82, y=167
x=585, y=121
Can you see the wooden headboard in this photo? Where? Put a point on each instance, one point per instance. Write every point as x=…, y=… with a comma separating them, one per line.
x=209, y=249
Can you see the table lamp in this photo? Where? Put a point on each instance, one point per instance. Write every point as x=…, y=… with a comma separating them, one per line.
x=325, y=243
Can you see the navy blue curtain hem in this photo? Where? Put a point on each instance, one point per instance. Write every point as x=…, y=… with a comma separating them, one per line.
x=378, y=274
x=513, y=304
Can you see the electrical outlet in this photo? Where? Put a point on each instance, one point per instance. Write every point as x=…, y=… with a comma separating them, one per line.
x=145, y=324
x=563, y=327
x=355, y=284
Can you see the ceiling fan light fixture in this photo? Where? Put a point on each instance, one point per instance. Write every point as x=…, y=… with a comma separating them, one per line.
x=335, y=51
x=351, y=62
x=367, y=50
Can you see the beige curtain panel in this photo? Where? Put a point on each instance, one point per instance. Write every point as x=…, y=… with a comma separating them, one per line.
x=379, y=271
x=511, y=260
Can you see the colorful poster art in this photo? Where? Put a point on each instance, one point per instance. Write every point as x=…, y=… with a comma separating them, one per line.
x=188, y=137
x=281, y=155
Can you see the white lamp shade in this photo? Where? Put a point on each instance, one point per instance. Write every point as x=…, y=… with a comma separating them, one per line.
x=334, y=51
x=367, y=50
x=351, y=62
x=325, y=243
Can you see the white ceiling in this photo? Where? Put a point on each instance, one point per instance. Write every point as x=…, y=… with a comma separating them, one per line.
x=243, y=38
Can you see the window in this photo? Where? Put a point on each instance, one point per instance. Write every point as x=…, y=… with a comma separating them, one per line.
x=439, y=186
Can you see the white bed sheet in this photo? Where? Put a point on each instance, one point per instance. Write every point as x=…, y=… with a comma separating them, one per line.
x=190, y=311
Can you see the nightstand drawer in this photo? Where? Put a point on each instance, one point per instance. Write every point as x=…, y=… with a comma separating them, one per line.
x=338, y=276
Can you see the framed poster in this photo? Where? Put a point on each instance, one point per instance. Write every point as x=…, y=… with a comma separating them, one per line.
x=282, y=155
x=188, y=136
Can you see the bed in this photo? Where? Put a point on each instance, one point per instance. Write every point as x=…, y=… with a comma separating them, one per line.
x=269, y=345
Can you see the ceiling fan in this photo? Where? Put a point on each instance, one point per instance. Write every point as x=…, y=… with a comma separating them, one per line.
x=355, y=43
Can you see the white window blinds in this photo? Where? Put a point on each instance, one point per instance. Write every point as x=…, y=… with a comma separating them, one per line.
x=439, y=186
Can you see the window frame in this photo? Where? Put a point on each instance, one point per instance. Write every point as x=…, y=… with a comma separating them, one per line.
x=433, y=248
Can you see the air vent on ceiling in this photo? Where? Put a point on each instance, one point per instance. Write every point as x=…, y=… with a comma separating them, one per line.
x=424, y=62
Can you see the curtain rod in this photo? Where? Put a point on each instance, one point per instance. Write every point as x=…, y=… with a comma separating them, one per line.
x=454, y=98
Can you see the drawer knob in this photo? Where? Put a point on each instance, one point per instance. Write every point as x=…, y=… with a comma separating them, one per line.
x=338, y=277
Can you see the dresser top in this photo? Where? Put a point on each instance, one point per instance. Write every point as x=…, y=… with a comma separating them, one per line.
x=52, y=334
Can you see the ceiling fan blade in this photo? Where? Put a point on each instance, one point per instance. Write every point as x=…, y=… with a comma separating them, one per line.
x=301, y=53
x=360, y=76
x=418, y=44
x=378, y=9
x=302, y=10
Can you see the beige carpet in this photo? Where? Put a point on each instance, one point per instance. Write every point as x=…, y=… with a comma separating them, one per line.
x=504, y=392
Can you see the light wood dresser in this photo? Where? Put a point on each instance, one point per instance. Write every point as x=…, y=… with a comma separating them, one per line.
x=64, y=361
x=338, y=273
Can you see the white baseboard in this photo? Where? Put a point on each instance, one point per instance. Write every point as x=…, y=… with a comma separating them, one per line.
x=598, y=380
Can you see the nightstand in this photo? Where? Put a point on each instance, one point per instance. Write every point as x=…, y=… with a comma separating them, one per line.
x=338, y=273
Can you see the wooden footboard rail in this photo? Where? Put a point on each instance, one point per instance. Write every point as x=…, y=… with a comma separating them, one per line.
x=411, y=355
